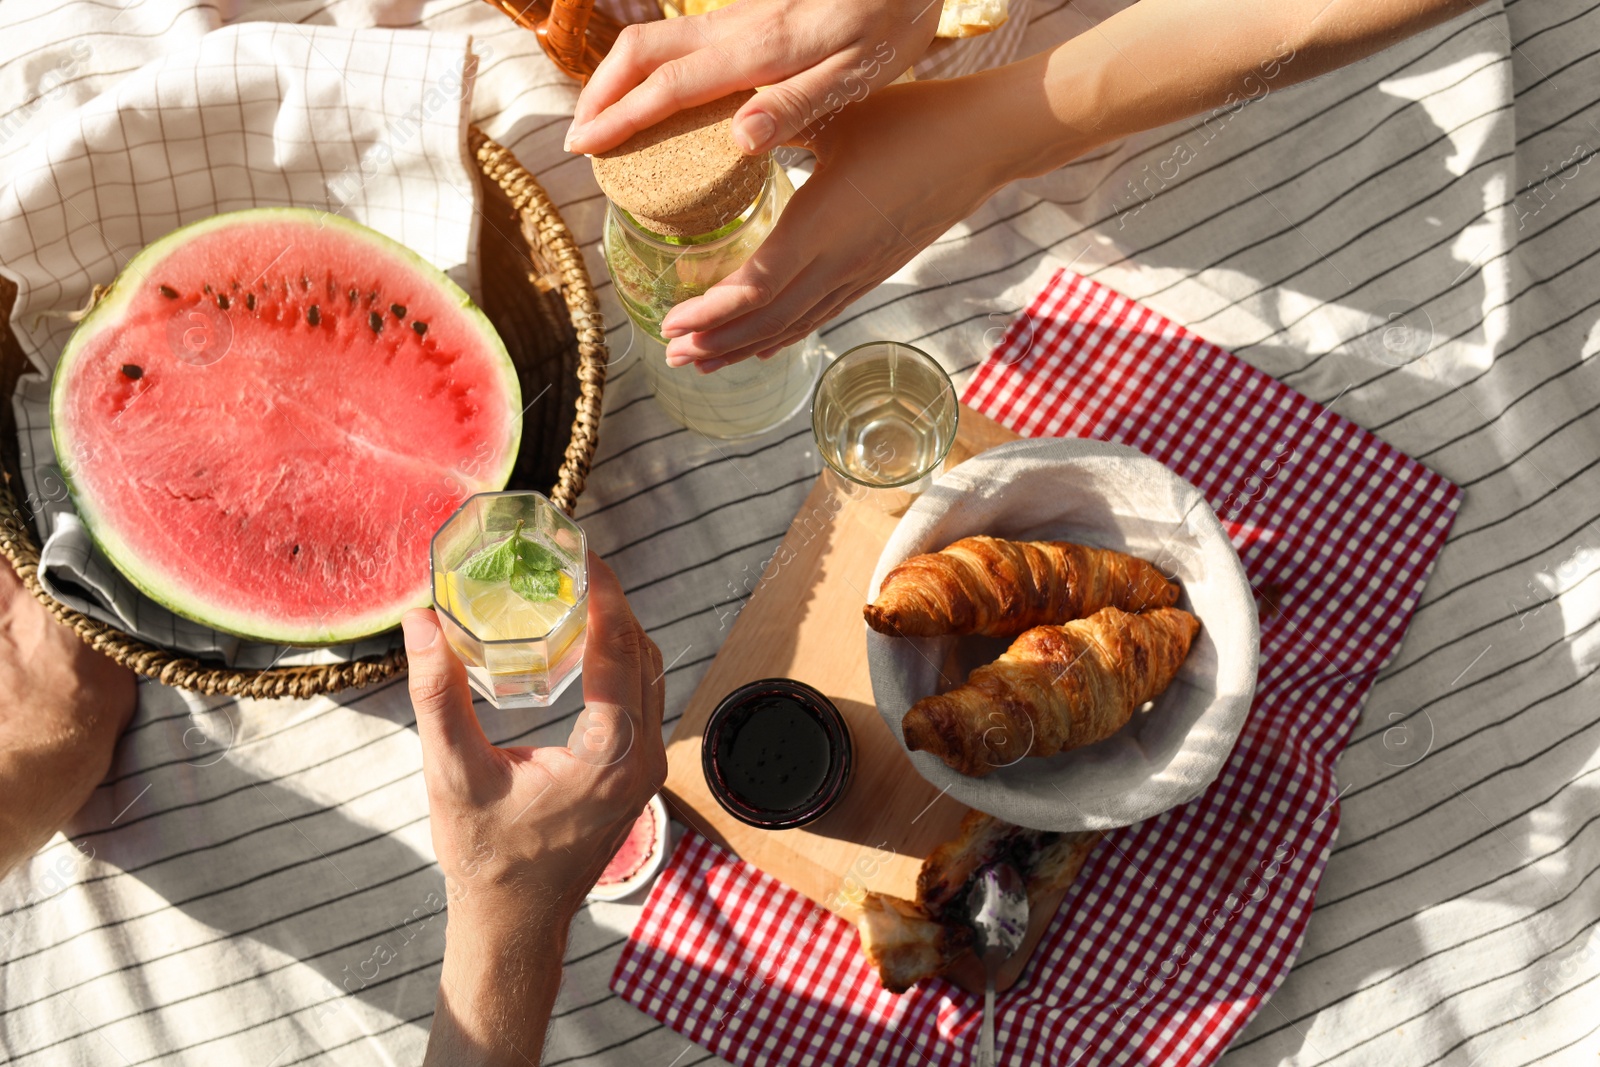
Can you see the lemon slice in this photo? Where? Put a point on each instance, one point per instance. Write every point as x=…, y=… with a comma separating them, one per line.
x=502, y=615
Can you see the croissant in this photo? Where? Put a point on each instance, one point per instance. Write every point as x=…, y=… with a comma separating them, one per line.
x=1055, y=688
x=983, y=585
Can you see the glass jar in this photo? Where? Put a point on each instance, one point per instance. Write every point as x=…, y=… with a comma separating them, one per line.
x=653, y=273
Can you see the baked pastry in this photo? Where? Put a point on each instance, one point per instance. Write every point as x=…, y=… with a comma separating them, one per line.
x=908, y=941
x=1047, y=861
x=969, y=18
x=959, y=18
x=1055, y=688
x=984, y=585
x=905, y=945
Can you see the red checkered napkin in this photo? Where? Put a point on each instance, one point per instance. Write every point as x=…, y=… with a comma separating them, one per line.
x=1179, y=928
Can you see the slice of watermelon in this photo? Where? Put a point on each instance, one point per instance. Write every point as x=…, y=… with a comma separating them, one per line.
x=265, y=418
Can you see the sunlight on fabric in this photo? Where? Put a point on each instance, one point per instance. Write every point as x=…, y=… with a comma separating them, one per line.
x=1550, y=827
x=1591, y=343
x=1481, y=249
x=1571, y=586
x=1441, y=92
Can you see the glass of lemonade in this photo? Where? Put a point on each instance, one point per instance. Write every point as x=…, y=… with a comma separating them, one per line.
x=884, y=416
x=511, y=586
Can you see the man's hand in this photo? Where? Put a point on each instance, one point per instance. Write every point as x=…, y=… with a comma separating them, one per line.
x=813, y=56
x=522, y=834
x=62, y=707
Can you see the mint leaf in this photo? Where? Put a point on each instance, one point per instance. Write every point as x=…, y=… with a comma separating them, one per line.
x=533, y=556
x=493, y=564
x=535, y=585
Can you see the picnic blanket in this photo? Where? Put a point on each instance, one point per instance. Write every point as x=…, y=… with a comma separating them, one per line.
x=252, y=882
x=1181, y=925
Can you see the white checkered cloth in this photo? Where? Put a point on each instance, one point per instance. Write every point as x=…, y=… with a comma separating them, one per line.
x=248, y=859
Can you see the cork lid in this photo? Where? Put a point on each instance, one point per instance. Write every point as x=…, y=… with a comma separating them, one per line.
x=684, y=176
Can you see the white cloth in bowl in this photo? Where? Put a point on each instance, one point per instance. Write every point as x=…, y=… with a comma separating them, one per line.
x=1109, y=496
x=369, y=124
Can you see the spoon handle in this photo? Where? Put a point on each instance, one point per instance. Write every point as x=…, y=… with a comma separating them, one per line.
x=986, y=1053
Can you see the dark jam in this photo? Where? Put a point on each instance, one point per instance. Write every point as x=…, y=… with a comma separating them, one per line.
x=773, y=753
x=776, y=753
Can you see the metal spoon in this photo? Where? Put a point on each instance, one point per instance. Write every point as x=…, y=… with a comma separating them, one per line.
x=998, y=903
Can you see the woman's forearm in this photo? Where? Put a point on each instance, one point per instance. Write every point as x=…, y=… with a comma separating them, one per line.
x=1159, y=61
x=900, y=167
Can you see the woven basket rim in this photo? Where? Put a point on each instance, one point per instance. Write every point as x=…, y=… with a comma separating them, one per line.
x=549, y=236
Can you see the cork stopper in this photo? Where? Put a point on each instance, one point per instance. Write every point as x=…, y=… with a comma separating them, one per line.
x=684, y=176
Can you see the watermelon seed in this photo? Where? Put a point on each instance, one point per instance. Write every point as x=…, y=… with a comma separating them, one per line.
x=206, y=288
x=222, y=301
x=295, y=551
x=250, y=301
x=375, y=320
x=168, y=292
x=314, y=315
x=420, y=327
x=353, y=295
x=399, y=310
x=372, y=297
x=133, y=371
x=305, y=283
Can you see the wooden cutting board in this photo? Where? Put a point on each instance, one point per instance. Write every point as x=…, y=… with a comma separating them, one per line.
x=804, y=622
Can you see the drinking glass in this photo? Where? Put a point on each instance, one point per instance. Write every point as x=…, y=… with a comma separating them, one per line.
x=511, y=586
x=884, y=416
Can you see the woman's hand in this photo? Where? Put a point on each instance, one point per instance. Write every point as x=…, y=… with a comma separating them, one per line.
x=899, y=167
x=814, y=56
x=893, y=173
x=523, y=833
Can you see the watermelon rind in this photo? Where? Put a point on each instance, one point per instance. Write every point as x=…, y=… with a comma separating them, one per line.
x=105, y=313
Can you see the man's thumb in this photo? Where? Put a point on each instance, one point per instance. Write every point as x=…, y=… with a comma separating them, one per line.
x=451, y=737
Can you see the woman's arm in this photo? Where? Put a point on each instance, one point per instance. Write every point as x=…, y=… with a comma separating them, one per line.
x=1163, y=60
x=900, y=167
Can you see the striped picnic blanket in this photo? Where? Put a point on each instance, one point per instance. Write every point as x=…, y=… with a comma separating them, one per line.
x=1411, y=241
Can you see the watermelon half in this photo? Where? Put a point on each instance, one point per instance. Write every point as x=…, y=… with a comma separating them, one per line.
x=268, y=414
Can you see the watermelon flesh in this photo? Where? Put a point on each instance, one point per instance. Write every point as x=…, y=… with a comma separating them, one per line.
x=636, y=852
x=268, y=415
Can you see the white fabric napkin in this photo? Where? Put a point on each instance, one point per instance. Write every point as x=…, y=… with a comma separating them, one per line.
x=1110, y=496
x=370, y=124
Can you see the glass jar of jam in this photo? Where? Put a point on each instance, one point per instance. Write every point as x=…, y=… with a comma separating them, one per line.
x=684, y=210
x=777, y=754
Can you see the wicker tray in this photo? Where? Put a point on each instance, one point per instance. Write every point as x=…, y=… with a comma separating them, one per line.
x=537, y=293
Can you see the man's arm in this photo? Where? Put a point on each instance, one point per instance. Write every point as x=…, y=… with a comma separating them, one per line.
x=496, y=994
x=522, y=834
x=62, y=707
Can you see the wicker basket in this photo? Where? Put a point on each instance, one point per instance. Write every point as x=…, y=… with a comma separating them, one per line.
x=537, y=293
